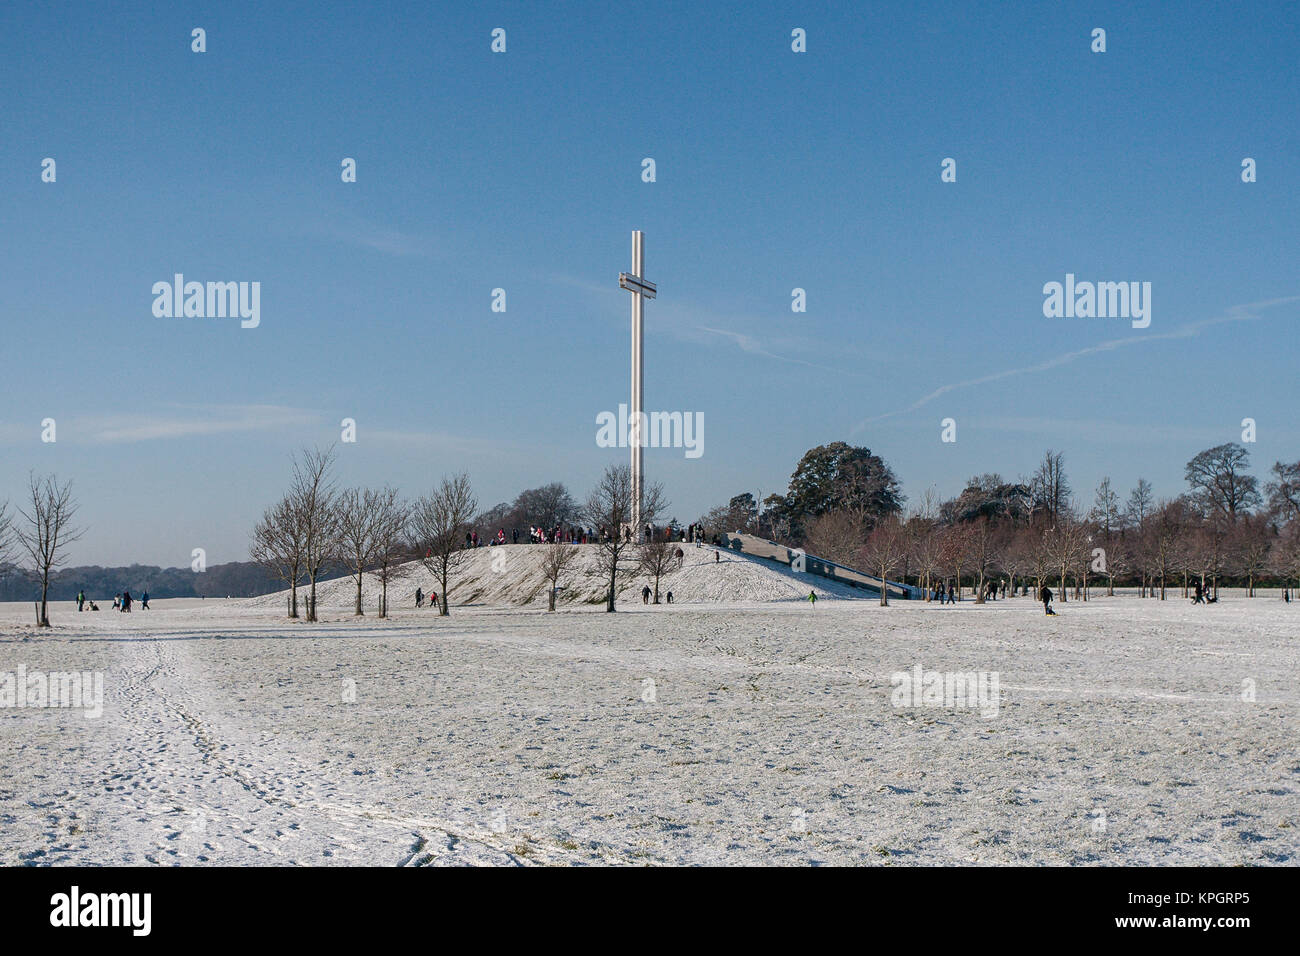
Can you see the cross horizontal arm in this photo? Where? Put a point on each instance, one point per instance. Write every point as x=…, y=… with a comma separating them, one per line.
x=636, y=284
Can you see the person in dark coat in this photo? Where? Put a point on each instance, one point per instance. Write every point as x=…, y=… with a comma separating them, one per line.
x=1045, y=595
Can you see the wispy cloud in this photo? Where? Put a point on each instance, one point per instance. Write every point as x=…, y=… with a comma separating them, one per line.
x=685, y=320
x=393, y=242
x=194, y=421
x=1136, y=433
x=443, y=442
x=378, y=238
x=182, y=422
x=1236, y=313
x=753, y=346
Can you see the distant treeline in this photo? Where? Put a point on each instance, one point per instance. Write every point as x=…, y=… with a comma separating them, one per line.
x=236, y=579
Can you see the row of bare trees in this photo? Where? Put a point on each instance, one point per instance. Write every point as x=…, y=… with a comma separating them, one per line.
x=1173, y=546
x=315, y=526
x=1226, y=527
x=39, y=531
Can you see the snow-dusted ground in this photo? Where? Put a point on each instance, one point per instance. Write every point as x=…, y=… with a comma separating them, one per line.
x=505, y=735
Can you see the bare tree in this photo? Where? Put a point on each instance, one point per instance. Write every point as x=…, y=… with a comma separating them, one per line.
x=391, y=516
x=1041, y=558
x=1168, y=528
x=1015, y=556
x=1108, y=518
x=47, y=531
x=557, y=561
x=277, y=546
x=312, y=495
x=1286, y=556
x=923, y=542
x=1209, y=542
x=1284, y=491
x=837, y=536
x=1049, y=488
x=884, y=551
x=926, y=551
x=438, y=523
x=1140, y=505
x=1137, y=513
x=654, y=560
x=1220, y=483
x=6, y=532
x=1067, y=540
x=609, y=509
x=358, y=515
x=954, y=551
x=1118, y=555
x=983, y=552
x=1253, y=545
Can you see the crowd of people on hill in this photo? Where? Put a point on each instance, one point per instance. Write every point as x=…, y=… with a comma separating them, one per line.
x=578, y=534
x=539, y=535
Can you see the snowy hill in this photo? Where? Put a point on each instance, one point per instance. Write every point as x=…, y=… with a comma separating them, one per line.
x=511, y=576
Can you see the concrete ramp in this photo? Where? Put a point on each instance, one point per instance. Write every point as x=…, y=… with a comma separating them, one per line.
x=793, y=557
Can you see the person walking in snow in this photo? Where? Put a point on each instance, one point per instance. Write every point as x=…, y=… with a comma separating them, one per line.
x=1045, y=595
x=812, y=598
x=645, y=594
x=144, y=601
x=419, y=597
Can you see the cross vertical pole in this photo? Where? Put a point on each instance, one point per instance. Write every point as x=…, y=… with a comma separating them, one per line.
x=638, y=340
x=641, y=289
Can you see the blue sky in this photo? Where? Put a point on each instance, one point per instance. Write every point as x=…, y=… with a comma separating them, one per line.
x=522, y=171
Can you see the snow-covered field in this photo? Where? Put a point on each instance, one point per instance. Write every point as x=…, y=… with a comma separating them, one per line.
x=741, y=732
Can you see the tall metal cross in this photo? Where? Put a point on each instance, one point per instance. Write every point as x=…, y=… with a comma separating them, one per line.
x=641, y=290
